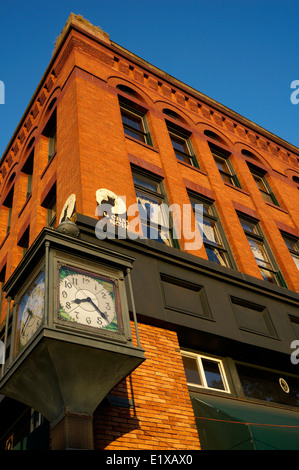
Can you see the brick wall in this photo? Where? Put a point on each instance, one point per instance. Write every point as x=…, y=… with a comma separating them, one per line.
x=161, y=415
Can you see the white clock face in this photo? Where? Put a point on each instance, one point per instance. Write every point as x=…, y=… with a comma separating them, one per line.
x=87, y=299
x=31, y=312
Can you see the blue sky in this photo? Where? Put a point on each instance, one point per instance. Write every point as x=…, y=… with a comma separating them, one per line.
x=243, y=54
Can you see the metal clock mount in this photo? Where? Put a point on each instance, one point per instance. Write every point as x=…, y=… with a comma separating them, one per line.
x=72, y=338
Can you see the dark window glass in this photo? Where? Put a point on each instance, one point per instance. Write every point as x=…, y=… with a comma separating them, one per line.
x=152, y=205
x=212, y=373
x=261, y=252
x=191, y=370
x=269, y=386
x=181, y=143
x=213, y=236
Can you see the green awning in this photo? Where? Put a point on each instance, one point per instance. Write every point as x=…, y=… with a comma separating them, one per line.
x=230, y=424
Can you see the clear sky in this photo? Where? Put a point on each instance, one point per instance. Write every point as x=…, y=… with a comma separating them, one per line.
x=241, y=53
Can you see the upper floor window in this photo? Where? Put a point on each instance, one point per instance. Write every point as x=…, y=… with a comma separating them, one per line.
x=224, y=165
x=263, y=185
x=296, y=180
x=205, y=372
x=134, y=121
x=24, y=240
x=293, y=246
x=181, y=143
x=8, y=204
x=152, y=205
x=50, y=131
x=261, y=251
x=214, y=239
x=28, y=170
x=49, y=202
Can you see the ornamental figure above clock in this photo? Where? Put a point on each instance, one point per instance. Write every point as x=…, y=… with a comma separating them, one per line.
x=88, y=299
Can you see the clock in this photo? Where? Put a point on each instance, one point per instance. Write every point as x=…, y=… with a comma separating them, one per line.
x=88, y=299
x=30, y=312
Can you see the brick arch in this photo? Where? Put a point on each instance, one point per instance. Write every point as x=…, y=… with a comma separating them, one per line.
x=49, y=106
x=7, y=182
x=222, y=137
x=182, y=116
x=291, y=174
x=28, y=144
x=139, y=93
x=252, y=154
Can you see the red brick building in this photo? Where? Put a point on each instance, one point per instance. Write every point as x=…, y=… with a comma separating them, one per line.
x=213, y=323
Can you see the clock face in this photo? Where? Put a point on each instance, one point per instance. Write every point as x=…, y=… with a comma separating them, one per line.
x=87, y=299
x=30, y=312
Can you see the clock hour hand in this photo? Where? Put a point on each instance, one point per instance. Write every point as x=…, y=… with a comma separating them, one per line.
x=89, y=300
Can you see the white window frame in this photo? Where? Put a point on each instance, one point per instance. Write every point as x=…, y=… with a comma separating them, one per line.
x=201, y=371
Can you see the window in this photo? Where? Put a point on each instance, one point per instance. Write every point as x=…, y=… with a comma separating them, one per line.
x=204, y=372
x=181, y=143
x=293, y=246
x=296, y=180
x=224, y=165
x=152, y=206
x=270, y=386
x=260, y=179
x=214, y=239
x=8, y=204
x=261, y=251
x=51, y=213
x=24, y=240
x=49, y=202
x=50, y=132
x=28, y=170
x=134, y=121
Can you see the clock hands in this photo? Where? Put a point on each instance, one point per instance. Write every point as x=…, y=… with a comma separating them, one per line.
x=89, y=300
x=29, y=316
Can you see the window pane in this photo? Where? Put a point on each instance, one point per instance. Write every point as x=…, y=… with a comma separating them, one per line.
x=153, y=212
x=191, y=370
x=209, y=231
x=259, y=253
x=226, y=177
x=146, y=184
x=224, y=170
x=267, y=197
x=265, y=385
x=213, y=375
x=296, y=259
x=268, y=276
x=291, y=244
x=248, y=226
x=215, y=255
x=179, y=144
x=132, y=120
x=259, y=182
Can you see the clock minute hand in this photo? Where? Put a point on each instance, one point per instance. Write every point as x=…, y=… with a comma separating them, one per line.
x=29, y=315
x=103, y=315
